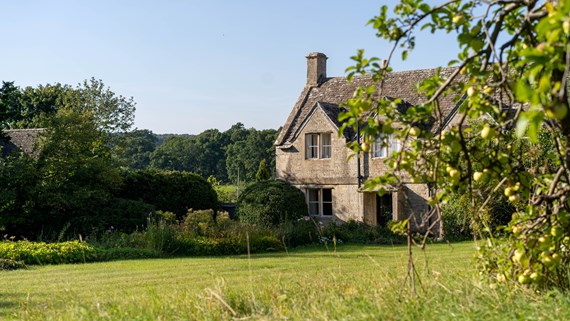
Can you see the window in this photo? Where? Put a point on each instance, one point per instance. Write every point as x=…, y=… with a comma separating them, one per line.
x=384, y=145
x=318, y=146
x=326, y=145
x=320, y=201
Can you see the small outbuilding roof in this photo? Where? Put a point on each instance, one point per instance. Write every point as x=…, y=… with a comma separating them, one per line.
x=19, y=139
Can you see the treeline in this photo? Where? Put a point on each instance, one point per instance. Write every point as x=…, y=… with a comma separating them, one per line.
x=228, y=156
x=91, y=173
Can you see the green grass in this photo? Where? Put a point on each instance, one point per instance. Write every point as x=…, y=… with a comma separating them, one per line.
x=227, y=193
x=355, y=283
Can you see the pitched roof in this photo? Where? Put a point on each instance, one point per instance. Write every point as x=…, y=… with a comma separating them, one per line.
x=22, y=139
x=334, y=91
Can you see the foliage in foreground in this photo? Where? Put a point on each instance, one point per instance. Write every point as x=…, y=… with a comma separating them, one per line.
x=511, y=73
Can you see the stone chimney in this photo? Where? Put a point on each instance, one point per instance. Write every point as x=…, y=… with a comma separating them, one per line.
x=316, y=69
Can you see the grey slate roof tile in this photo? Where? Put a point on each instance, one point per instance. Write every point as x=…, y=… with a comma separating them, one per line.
x=337, y=90
x=22, y=139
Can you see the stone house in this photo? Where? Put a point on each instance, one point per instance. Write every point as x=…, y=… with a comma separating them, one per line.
x=311, y=155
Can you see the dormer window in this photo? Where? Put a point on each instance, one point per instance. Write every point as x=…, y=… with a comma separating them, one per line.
x=384, y=145
x=318, y=146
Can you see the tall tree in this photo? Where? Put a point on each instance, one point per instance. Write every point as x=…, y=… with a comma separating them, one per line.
x=112, y=112
x=9, y=104
x=211, y=158
x=243, y=156
x=512, y=65
x=76, y=173
x=178, y=153
x=133, y=149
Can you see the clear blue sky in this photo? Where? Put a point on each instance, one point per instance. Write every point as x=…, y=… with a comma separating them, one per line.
x=195, y=65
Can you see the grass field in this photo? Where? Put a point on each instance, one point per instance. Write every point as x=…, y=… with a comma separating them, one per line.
x=313, y=283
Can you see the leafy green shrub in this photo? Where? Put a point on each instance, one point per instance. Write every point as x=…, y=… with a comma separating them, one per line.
x=48, y=253
x=199, y=234
x=161, y=236
x=359, y=232
x=9, y=265
x=226, y=193
x=270, y=203
x=460, y=224
x=300, y=232
x=117, y=214
x=127, y=253
x=169, y=190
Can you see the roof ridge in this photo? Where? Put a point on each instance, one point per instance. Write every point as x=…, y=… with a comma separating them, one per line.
x=397, y=72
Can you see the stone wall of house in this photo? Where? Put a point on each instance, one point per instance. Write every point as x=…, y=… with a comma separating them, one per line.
x=340, y=174
x=293, y=166
x=414, y=204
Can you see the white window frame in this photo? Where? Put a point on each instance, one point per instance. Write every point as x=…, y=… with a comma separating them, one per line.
x=384, y=145
x=326, y=145
x=321, y=149
x=320, y=202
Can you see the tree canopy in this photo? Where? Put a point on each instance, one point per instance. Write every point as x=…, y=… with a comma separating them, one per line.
x=511, y=74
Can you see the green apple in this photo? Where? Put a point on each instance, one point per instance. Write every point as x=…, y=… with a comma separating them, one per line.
x=509, y=191
x=524, y=279
x=518, y=256
x=478, y=176
x=513, y=198
x=365, y=147
x=454, y=173
x=566, y=26
x=415, y=131
x=557, y=231
x=471, y=91
x=555, y=258
x=544, y=241
x=501, y=277
x=517, y=186
x=458, y=19
x=516, y=230
x=487, y=132
x=535, y=277
x=546, y=259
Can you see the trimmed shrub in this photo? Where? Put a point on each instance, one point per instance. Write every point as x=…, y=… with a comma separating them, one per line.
x=48, y=253
x=116, y=215
x=271, y=203
x=361, y=233
x=169, y=190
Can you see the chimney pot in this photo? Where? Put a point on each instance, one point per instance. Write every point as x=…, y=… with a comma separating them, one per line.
x=316, y=69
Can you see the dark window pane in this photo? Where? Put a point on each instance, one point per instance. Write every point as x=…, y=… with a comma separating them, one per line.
x=327, y=209
x=327, y=195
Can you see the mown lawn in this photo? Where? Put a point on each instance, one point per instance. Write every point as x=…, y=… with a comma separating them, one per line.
x=353, y=283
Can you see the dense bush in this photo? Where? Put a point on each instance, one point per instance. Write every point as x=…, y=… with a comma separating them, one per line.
x=115, y=215
x=48, y=253
x=359, y=232
x=15, y=253
x=459, y=220
x=270, y=203
x=169, y=191
x=201, y=234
